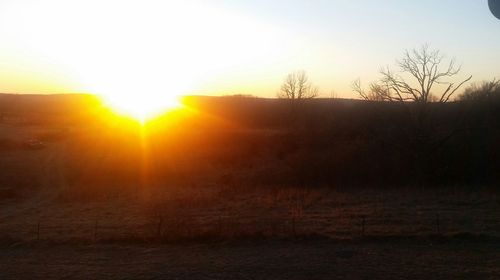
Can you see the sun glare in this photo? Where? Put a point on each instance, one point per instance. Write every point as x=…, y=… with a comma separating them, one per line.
x=141, y=107
x=139, y=55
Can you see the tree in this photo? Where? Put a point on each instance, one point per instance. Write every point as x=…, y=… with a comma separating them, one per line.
x=297, y=87
x=422, y=79
x=370, y=95
x=486, y=90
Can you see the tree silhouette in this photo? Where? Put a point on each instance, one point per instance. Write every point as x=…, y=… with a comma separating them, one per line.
x=421, y=78
x=297, y=87
x=424, y=78
x=486, y=90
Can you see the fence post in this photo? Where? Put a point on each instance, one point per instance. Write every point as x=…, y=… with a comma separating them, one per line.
x=38, y=231
x=363, y=222
x=438, y=227
x=160, y=226
x=219, y=224
x=95, y=229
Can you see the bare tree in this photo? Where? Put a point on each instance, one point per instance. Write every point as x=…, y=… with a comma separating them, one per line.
x=297, y=87
x=422, y=78
x=373, y=94
x=484, y=91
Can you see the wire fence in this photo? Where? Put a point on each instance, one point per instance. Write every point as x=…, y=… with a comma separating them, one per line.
x=291, y=225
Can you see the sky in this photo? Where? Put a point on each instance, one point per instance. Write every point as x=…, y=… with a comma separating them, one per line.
x=222, y=47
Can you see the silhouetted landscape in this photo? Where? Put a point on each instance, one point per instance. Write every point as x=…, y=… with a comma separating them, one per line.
x=234, y=178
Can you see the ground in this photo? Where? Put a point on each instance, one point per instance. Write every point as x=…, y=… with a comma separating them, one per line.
x=62, y=216
x=321, y=259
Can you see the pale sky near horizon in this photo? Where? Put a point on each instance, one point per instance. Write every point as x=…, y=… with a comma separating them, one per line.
x=230, y=46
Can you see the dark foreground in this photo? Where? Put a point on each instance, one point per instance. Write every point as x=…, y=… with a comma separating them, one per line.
x=320, y=259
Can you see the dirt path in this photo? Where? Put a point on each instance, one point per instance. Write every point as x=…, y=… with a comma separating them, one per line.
x=263, y=260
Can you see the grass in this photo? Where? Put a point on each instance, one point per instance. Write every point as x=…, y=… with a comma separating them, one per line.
x=227, y=201
x=278, y=213
x=262, y=259
x=217, y=182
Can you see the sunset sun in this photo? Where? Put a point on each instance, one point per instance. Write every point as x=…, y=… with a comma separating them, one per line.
x=141, y=107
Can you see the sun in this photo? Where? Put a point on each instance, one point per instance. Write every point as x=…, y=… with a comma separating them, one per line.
x=141, y=107
x=140, y=95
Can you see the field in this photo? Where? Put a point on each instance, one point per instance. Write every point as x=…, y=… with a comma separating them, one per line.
x=244, y=199
x=255, y=260
x=251, y=236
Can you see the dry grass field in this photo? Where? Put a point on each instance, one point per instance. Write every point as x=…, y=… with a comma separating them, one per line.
x=281, y=234
x=212, y=213
x=221, y=201
x=219, y=232
x=254, y=260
